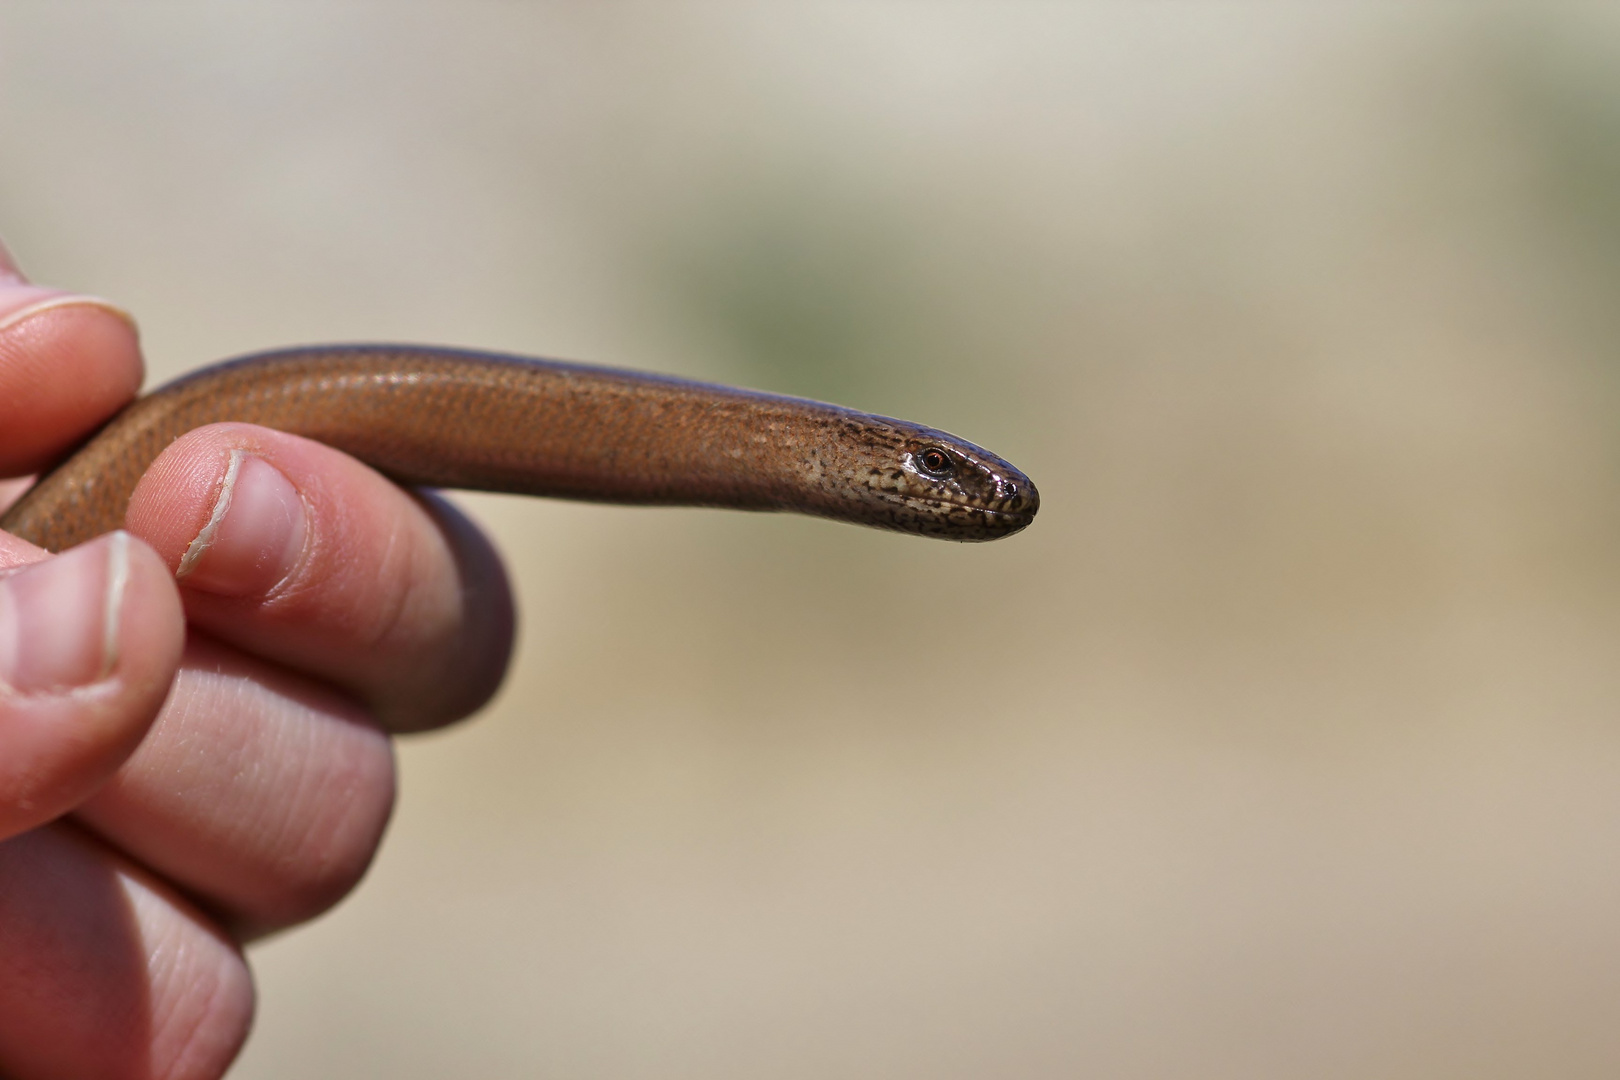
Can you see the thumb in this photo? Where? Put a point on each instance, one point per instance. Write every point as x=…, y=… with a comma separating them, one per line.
x=89, y=643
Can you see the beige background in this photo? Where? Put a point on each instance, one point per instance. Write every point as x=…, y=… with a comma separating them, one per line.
x=1284, y=744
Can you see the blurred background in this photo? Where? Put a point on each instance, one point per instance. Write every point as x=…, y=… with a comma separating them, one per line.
x=1283, y=744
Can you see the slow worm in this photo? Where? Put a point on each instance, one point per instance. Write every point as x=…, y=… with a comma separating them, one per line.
x=449, y=418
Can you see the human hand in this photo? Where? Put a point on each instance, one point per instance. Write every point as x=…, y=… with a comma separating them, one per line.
x=184, y=767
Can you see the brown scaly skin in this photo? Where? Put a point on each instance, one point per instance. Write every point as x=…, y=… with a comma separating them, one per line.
x=449, y=418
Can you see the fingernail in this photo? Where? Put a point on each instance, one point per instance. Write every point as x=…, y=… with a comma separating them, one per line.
x=59, y=618
x=255, y=533
x=20, y=301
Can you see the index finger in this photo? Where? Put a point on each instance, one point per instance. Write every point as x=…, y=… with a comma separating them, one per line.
x=67, y=363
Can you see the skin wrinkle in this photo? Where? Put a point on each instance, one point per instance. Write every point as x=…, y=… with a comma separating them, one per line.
x=310, y=843
x=399, y=567
x=270, y=739
x=318, y=862
x=416, y=609
x=186, y=1029
x=196, y=1048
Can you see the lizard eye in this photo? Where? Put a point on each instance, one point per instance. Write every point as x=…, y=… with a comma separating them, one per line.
x=933, y=462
